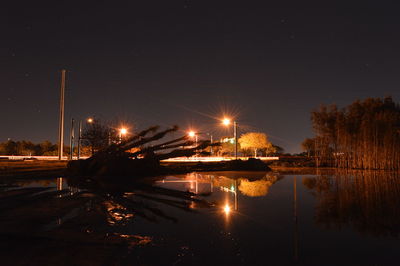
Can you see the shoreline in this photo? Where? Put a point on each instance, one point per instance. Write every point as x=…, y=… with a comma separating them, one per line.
x=52, y=169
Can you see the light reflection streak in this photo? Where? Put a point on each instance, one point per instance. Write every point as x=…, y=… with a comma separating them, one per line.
x=227, y=209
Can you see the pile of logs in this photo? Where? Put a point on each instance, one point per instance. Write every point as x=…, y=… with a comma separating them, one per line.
x=138, y=155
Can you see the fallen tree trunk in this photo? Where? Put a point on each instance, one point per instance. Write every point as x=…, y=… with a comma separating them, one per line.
x=137, y=157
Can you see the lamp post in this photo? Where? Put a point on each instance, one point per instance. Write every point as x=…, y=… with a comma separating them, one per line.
x=122, y=132
x=90, y=121
x=79, y=138
x=227, y=122
x=211, y=141
x=71, y=140
x=61, y=119
x=194, y=135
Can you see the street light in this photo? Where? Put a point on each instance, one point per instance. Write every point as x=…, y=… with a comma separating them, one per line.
x=227, y=122
x=122, y=132
x=89, y=120
x=71, y=140
x=193, y=134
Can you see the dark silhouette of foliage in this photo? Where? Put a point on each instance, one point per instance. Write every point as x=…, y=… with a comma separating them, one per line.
x=138, y=155
x=96, y=135
x=27, y=148
x=366, y=200
x=308, y=145
x=363, y=135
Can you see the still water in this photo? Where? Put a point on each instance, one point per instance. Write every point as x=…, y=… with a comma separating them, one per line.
x=256, y=218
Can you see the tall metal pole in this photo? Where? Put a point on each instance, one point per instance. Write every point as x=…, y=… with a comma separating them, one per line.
x=79, y=138
x=61, y=120
x=236, y=139
x=71, y=140
x=211, y=147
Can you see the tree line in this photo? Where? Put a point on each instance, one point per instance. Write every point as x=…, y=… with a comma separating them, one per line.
x=28, y=148
x=97, y=135
x=45, y=148
x=363, y=135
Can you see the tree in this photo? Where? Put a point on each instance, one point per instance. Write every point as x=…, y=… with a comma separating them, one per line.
x=363, y=135
x=9, y=148
x=96, y=135
x=47, y=148
x=276, y=149
x=308, y=145
x=25, y=147
x=254, y=141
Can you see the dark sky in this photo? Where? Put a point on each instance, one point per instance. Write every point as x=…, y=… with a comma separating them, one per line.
x=168, y=62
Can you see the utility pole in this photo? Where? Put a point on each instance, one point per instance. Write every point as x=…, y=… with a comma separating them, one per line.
x=211, y=147
x=61, y=120
x=72, y=140
x=79, y=138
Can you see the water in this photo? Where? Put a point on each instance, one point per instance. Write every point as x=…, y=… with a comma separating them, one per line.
x=324, y=218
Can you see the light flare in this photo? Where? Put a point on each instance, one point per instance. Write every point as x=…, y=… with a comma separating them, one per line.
x=226, y=121
x=227, y=209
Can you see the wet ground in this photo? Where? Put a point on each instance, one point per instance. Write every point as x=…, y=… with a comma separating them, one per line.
x=220, y=218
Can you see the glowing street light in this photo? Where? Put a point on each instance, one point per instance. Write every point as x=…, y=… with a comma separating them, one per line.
x=89, y=120
x=122, y=132
x=227, y=122
x=194, y=135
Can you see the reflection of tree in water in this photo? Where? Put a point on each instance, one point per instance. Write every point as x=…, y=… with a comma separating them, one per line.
x=256, y=188
x=88, y=224
x=368, y=201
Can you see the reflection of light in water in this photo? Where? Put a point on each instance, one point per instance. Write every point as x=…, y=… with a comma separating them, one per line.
x=117, y=213
x=227, y=209
x=256, y=188
x=59, y=183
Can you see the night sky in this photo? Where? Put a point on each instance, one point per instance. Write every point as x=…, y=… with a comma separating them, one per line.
x=268, y=63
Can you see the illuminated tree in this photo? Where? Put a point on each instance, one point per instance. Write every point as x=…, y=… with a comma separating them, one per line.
x=256, y=188
x=363, y=135
x=255, y=141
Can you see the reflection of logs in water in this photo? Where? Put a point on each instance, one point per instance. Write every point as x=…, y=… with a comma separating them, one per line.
x=369, y=201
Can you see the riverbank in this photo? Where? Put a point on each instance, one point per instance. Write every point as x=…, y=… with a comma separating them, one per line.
x=51, y=169
x=34, y=168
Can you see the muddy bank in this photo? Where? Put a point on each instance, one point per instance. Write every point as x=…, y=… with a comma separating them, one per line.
x=36, y=168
